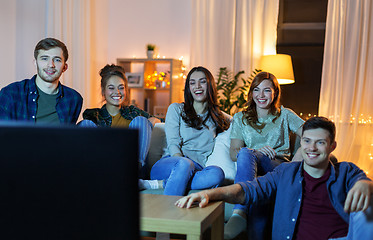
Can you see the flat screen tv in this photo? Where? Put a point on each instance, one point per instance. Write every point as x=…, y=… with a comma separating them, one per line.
x=68, y=183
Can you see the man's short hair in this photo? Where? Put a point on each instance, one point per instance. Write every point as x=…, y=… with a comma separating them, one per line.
x=320, y=122
x=49, y=43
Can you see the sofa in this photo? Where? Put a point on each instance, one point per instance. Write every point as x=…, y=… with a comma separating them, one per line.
x=219, y=157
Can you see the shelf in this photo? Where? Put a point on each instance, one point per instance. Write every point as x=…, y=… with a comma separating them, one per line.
x=151, y=100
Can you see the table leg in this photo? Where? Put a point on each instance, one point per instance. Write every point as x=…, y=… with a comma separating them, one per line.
x=217, y=228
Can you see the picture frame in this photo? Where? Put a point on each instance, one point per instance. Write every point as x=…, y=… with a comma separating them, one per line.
x=135, y=80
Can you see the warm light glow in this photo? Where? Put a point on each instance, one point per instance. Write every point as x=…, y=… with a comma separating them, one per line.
x=279, y=65
x=306, y=116
x=157, y=80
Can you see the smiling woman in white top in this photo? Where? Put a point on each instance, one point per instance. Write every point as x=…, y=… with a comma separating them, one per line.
x=191, y=128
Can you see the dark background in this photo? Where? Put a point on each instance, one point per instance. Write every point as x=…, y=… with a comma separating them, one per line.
x=301, y=34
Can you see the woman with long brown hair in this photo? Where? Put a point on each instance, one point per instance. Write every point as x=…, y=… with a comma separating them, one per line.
x=260, y=139
x=191, y=128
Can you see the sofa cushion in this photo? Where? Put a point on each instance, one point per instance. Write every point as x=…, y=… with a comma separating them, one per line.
x=220, y=156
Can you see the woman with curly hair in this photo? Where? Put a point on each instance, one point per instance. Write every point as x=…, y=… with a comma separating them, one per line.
x=116, y=112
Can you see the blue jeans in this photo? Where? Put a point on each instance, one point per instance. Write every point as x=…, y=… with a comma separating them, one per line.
x=145, y=132
x=361, y=225
x=249, y=162
x=181, y=173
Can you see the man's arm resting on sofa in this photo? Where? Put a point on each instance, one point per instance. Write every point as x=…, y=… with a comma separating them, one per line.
x=358, y=198
x=231, y=194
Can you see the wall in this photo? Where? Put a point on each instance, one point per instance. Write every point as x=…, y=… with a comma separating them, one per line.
x=7, y=41
x=21, y=30
x=133, y=24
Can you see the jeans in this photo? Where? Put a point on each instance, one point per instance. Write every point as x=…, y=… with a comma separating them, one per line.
x=361, y=225
x=249, y=162
x=181, y=173
x=145, y=131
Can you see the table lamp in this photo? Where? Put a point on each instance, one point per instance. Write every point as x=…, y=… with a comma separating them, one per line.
x=279, y=65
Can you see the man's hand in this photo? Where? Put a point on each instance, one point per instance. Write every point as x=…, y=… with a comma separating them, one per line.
x=358, y=198
x=231, y=194
x=200, y=197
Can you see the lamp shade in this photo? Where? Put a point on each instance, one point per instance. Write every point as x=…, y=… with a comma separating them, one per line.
x=279, y=65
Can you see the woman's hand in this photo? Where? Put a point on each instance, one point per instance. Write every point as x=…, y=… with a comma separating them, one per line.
x=154, y=120
x=200, y=198
x=268, y=151
x=235, y=147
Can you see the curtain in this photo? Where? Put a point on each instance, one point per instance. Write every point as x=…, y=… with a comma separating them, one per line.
x=73, y=23
x=346, y=94
x=233, y=34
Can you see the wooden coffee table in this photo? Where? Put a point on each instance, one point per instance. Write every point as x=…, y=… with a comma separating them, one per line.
x=159, y=214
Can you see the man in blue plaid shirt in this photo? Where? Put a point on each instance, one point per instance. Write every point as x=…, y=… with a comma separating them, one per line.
x=43, y=99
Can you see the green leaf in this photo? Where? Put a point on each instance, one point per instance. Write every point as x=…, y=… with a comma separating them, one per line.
x=232, y=88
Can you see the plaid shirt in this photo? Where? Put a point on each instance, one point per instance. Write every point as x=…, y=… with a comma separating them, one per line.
x=101, y=117
x=18, y=101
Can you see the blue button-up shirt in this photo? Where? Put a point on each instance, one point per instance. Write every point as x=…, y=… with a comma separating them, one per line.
x=285, y=185
x=18, y=101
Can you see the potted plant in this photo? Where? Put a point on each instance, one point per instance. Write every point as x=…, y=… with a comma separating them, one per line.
x=233, y=90
x=150, y=50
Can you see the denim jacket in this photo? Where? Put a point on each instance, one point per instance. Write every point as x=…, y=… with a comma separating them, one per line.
x=285, y=185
